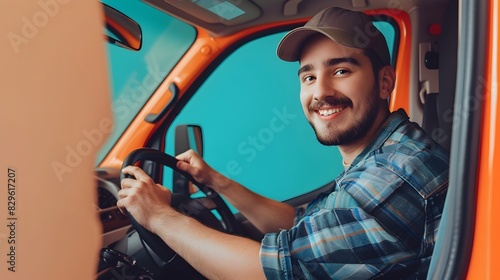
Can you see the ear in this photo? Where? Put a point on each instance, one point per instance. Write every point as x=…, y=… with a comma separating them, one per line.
x=387, y=79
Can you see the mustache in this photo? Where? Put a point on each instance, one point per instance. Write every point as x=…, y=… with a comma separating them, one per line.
x=330, y=101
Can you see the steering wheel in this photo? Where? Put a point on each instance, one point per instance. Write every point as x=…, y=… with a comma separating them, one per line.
x=198, y=208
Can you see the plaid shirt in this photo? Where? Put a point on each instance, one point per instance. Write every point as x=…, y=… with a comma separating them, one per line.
x=378, y=221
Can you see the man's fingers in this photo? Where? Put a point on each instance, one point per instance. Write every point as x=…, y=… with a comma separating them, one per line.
x=137, y=172
x=187, y=156
x=123, y=193
x=121, y=207
x=184, y=166
x=121, y=203
x=127, y=183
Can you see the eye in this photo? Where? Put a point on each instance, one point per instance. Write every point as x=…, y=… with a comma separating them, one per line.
x=308, y=78
x=341, y=72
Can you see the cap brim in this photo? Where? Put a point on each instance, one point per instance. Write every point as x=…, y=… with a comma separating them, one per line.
x=290, y=47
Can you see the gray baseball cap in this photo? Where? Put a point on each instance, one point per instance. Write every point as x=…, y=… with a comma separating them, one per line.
x=349, y=28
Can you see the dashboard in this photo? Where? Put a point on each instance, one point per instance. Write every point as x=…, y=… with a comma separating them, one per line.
x=123, y=253
x=115, y=224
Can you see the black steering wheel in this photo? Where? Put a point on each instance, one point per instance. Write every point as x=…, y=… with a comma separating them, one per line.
x=198, y=208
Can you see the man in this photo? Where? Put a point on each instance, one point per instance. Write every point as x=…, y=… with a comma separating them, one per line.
x=380, y=218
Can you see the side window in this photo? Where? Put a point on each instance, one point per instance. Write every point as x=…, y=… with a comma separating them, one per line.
x=254, y=129
x=389, y=31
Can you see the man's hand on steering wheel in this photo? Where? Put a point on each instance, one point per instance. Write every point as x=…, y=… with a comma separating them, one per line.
x=193, y=164
x=150, y=205
x=142, y=197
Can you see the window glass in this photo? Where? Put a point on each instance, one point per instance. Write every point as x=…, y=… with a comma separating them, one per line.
x=389, y=33
x=135, y=75
x=253, y=125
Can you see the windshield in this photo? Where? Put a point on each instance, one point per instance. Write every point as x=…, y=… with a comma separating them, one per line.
x=135, y=75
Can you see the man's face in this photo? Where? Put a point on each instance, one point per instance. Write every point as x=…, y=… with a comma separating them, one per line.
x=337, y=92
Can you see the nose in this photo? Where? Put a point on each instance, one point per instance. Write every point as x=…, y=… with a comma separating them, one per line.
x=323, y=88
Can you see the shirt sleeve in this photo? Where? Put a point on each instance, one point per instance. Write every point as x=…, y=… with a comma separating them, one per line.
x=340, y=239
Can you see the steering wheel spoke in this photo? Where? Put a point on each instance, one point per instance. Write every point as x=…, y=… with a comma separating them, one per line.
x=207, y=202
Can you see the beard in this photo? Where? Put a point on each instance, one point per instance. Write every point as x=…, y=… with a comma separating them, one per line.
x=331, y=135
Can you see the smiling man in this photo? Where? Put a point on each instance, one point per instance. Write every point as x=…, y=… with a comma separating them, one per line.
x=341, y=96
x=380, y=218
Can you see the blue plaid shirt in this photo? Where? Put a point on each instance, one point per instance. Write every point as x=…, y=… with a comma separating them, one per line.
x=378, y=221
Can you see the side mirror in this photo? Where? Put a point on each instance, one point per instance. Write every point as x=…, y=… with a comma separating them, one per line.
x=121, y=30
x=186, y=137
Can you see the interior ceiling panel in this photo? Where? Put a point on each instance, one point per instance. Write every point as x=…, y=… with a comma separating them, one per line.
x=224, y=17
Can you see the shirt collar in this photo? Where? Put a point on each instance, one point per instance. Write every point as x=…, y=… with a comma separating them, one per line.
x=393, y=121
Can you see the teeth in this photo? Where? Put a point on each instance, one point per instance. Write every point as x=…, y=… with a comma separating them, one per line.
x=330, y=111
